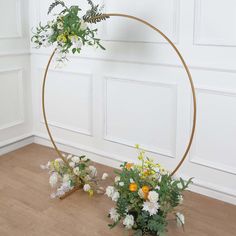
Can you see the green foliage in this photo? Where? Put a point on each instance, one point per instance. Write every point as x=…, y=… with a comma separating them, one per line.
x=136, y=179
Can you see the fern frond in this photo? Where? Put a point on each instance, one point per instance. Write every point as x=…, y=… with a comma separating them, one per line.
x=90, y=2
x=54, y=4
x=95, y=17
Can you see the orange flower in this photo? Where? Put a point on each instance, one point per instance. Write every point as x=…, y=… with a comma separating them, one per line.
x=128, y=166
x=145, y=190
x=133, y=187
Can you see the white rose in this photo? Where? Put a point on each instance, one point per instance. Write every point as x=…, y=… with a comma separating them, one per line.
x=104, y=176
x=151, y=207
x=76, y=171
x=93, y=171
x=53, y=179
x=76, y=41
x=128, y=221
x=180, y=219
x=117, y=179
x=86, y=187
x=121, y=184
x=110, y=191
x=115, y=196
x=75, y=159
x=72, y=164
x=114, y=215
x=153, y=196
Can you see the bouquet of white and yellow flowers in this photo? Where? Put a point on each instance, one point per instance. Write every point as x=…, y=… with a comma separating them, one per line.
x=145, y=195
x=69, y=30
x=76, y=173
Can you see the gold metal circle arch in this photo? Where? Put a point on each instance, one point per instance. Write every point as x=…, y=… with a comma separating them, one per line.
x=190, y=80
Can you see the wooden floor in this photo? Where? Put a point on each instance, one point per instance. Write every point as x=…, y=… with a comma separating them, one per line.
x=27, y=210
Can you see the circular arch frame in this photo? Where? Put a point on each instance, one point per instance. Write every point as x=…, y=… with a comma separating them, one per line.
x=184, y=65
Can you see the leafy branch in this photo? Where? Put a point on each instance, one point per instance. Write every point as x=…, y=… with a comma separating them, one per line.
x=55, y=4
x=94, y=15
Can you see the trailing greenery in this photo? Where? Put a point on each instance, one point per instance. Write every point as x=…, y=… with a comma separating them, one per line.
x=145, y=195
x=69, y=30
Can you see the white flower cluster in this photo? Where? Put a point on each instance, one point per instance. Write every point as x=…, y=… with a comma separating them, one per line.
x=114, y=215
x=55, y=178
x=128, y=221
x=64, y=178
x=64, y=188
x=151, y=205
x=112, y=193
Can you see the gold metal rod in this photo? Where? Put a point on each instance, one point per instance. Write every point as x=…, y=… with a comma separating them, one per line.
x=44, y=111
x=184, y=65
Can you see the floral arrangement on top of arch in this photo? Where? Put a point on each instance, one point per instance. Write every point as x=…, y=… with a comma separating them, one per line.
x=69, y=31
x=145, y=194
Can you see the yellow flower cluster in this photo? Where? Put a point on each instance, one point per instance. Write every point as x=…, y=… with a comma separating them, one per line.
x=62, y=38
x=55, y=165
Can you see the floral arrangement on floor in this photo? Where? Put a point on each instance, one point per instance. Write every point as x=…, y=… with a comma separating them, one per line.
x=69, y=30
x=76, y=173
x=145, y=195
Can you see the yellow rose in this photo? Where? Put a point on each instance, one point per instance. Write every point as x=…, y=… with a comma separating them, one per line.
x=62, y=38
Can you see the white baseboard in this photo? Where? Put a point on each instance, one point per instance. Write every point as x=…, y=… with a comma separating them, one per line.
x=94, y=154
x=108, y=159
x=15, y=143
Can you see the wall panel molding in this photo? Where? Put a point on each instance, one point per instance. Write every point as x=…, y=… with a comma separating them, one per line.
x=68, y=127
x=18, y=22
x=21, y=119
x=174, y=35
x=130, y=143
x=196, y=159
x=200, y=38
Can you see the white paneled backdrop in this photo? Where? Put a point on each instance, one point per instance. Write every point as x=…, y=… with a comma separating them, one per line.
x=104, y=102
x=15, y=83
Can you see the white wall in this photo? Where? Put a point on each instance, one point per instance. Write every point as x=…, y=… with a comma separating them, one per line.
x=15, y=85
x=102, y=103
